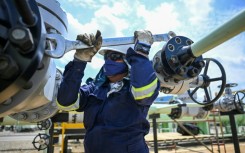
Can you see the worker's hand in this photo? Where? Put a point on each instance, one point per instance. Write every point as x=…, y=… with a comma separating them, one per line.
x=143, y=41
x=94, y=41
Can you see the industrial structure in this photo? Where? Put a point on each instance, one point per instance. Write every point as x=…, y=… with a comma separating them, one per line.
x=29, y=79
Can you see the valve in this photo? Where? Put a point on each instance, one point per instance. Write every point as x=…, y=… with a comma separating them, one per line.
x=230, y=102
x=44, y=125
x=177, y=67
x=238, y=101
x=41, y=141
x=207, y=81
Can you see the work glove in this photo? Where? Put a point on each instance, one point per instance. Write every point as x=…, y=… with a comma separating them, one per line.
x=143, y=41
x=87, y=54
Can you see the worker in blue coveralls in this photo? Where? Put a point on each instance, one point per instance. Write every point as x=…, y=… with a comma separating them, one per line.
x=116, y=102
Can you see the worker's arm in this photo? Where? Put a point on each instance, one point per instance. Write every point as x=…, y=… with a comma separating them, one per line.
x=71, y=95
x=68, y=93
x=144, y=82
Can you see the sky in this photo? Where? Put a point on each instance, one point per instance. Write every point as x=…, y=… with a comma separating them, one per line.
x=193, y=19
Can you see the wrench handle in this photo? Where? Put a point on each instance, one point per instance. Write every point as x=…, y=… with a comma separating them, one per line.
x=72, y=45
x=130, y=40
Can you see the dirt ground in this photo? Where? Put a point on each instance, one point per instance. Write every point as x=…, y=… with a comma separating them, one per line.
x=229, y=148
x=23, y=145
x=17, y=145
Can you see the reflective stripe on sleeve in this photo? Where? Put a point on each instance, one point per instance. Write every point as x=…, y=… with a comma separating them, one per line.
x=71, y=107
x=144, y=92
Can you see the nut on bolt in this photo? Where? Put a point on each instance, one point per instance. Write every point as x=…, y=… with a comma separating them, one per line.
x=200, y=64
x=22, y=38
x=8, y=67
x=181, y=70
x=174, y=59
x=193, y=72
x=22, y=116
x=4, y=63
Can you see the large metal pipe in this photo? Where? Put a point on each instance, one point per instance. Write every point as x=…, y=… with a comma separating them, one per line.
x=178, y=109
x=226, y=31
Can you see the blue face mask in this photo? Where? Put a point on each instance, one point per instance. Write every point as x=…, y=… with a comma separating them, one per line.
x=112, y=68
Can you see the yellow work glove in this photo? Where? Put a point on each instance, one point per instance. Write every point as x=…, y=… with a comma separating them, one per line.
x=143, y=41
x=95, y=42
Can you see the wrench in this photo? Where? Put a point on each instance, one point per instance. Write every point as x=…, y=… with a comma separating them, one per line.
x=63, y=45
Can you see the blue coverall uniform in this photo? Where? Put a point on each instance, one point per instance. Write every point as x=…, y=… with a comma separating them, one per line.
x=116, y=123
